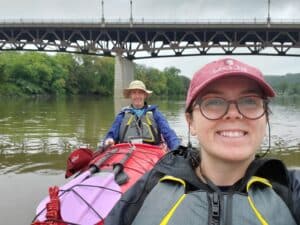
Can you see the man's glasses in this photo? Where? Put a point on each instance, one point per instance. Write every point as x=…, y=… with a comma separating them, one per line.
x=214, y=108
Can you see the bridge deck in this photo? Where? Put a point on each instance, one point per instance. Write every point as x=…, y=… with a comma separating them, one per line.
x=144, y=39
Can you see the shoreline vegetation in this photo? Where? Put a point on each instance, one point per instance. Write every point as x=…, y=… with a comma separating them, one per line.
x=63, y=74
x=40, y=74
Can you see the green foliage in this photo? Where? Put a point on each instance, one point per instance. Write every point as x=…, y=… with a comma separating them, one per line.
x=153, y=79
x=96, y=75
x=69, y=70
x=42, y=74
x=175, y=84
x=163, y=83
x=105, y=73
x=33, y=73
x=9, y=89
x=285, y=85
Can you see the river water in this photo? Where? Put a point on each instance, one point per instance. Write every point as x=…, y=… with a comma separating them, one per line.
x=37, y=135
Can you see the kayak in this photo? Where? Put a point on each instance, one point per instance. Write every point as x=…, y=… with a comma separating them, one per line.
x=99, y=182
x=142, y=160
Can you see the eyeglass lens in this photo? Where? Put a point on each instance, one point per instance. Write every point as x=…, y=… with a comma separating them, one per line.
x=251, y=107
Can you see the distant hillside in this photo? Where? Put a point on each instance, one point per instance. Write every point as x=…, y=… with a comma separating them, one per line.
x=288, y=84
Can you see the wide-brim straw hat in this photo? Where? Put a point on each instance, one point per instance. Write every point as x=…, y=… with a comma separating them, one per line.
x=136, y=85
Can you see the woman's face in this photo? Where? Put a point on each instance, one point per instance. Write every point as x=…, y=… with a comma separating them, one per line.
x=137, y=98
x=232, y=138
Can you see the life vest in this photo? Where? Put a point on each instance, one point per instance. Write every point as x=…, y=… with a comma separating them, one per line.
x=260, y=204
x=143, y=127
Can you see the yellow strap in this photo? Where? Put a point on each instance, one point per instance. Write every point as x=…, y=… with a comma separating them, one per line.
x=166, y=219
x=261, y=180
x=147, y=118
x=148, y=124
x=151, y=138
x=130, y=119
x=171, y=178
x=255, y=179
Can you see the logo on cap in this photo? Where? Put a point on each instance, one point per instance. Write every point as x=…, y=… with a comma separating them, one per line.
x=74, y=158
x=229, y=66
x=229, y=62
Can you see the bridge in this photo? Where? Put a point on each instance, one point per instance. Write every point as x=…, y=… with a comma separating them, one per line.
x=128, y=40
x=143, y=39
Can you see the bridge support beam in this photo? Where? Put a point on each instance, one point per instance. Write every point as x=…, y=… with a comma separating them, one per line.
x=124, y=70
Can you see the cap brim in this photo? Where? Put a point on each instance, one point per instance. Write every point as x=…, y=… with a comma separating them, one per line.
x=266, y=88
x=68, y=174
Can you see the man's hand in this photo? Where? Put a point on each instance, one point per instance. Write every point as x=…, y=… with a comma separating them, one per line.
x=109, y=141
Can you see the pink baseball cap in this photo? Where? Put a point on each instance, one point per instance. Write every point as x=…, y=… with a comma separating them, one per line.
x=224, y=68
x=78, y=160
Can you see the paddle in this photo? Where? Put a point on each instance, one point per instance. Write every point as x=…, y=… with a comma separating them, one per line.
x=120, y=176
x=86, y=199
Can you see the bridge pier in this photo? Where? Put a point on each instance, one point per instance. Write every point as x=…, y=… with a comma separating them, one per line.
x=124, y=70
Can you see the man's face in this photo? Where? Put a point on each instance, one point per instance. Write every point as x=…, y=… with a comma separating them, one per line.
x=137, y=98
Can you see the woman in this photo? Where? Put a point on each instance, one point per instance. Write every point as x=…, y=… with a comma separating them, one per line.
x=141, y=121
x=227, y=110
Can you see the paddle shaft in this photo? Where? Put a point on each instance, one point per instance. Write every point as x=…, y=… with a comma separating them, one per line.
x=120, y=176
x=101, y=149
x=95, y=167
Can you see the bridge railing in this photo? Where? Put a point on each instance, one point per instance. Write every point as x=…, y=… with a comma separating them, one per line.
x=145, y=21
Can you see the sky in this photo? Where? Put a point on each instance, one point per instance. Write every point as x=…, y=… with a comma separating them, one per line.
x=162, y=10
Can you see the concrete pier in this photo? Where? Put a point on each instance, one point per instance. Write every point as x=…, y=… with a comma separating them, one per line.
x=124, y=70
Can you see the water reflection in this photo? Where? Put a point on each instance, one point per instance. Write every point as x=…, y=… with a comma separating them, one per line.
x=27, y=163
x=43, y=130
x=285, y=123
x=48, y=163
x=52, y=124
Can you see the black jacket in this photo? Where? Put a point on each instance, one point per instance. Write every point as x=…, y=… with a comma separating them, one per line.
x=181, y=163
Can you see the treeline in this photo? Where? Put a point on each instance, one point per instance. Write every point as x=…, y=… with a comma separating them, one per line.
x=33, y=73
x=287, y=85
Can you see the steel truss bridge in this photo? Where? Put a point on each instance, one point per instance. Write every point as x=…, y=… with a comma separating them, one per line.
x=140, y=39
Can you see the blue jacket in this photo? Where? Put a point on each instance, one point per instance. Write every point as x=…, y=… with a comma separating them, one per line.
x=168, y=134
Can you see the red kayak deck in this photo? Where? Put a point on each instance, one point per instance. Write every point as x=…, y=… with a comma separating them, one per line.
x=142, y=159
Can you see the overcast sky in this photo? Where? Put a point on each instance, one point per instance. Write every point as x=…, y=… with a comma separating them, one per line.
x=168, y=10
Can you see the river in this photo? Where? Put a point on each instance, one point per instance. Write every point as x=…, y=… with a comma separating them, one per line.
x=37, y=135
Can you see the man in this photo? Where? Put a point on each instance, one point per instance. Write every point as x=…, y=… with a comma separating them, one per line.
x=140, y=120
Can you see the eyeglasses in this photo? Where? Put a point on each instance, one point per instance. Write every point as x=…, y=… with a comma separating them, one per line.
x=214, y=108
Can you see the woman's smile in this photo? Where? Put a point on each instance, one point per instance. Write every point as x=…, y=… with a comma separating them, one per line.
x=232, y=133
